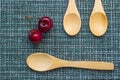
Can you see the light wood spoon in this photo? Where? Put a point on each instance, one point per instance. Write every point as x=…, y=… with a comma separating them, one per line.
x=44, y=62
x=72, y=20
x=98, y=19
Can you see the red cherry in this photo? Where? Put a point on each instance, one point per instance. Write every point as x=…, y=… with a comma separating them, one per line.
x=45, y=24
x=35, y=36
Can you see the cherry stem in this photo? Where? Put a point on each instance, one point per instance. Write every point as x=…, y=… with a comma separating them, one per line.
x=28, y=18
x=30, y=23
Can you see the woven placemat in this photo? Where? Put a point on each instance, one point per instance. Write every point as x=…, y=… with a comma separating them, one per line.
x=15, y=46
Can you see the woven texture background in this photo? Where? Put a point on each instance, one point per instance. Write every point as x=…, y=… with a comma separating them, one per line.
x=15, y=46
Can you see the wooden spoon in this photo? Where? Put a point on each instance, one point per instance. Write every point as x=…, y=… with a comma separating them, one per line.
x=45, y=62
x=72, y=20
x=98, y=19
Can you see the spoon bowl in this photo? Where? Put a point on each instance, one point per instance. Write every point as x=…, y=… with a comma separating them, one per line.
x=44, y=62
x=72, y=24
x=39, y=62
x=98, y=23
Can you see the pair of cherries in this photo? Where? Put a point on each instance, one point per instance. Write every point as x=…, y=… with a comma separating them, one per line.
x=44, y=25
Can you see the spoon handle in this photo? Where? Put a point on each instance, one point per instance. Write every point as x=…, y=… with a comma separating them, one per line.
x=71, y=6
x=98, y=6
x=89, y=65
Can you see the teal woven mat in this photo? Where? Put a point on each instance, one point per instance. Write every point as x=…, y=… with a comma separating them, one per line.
x=15, y=47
